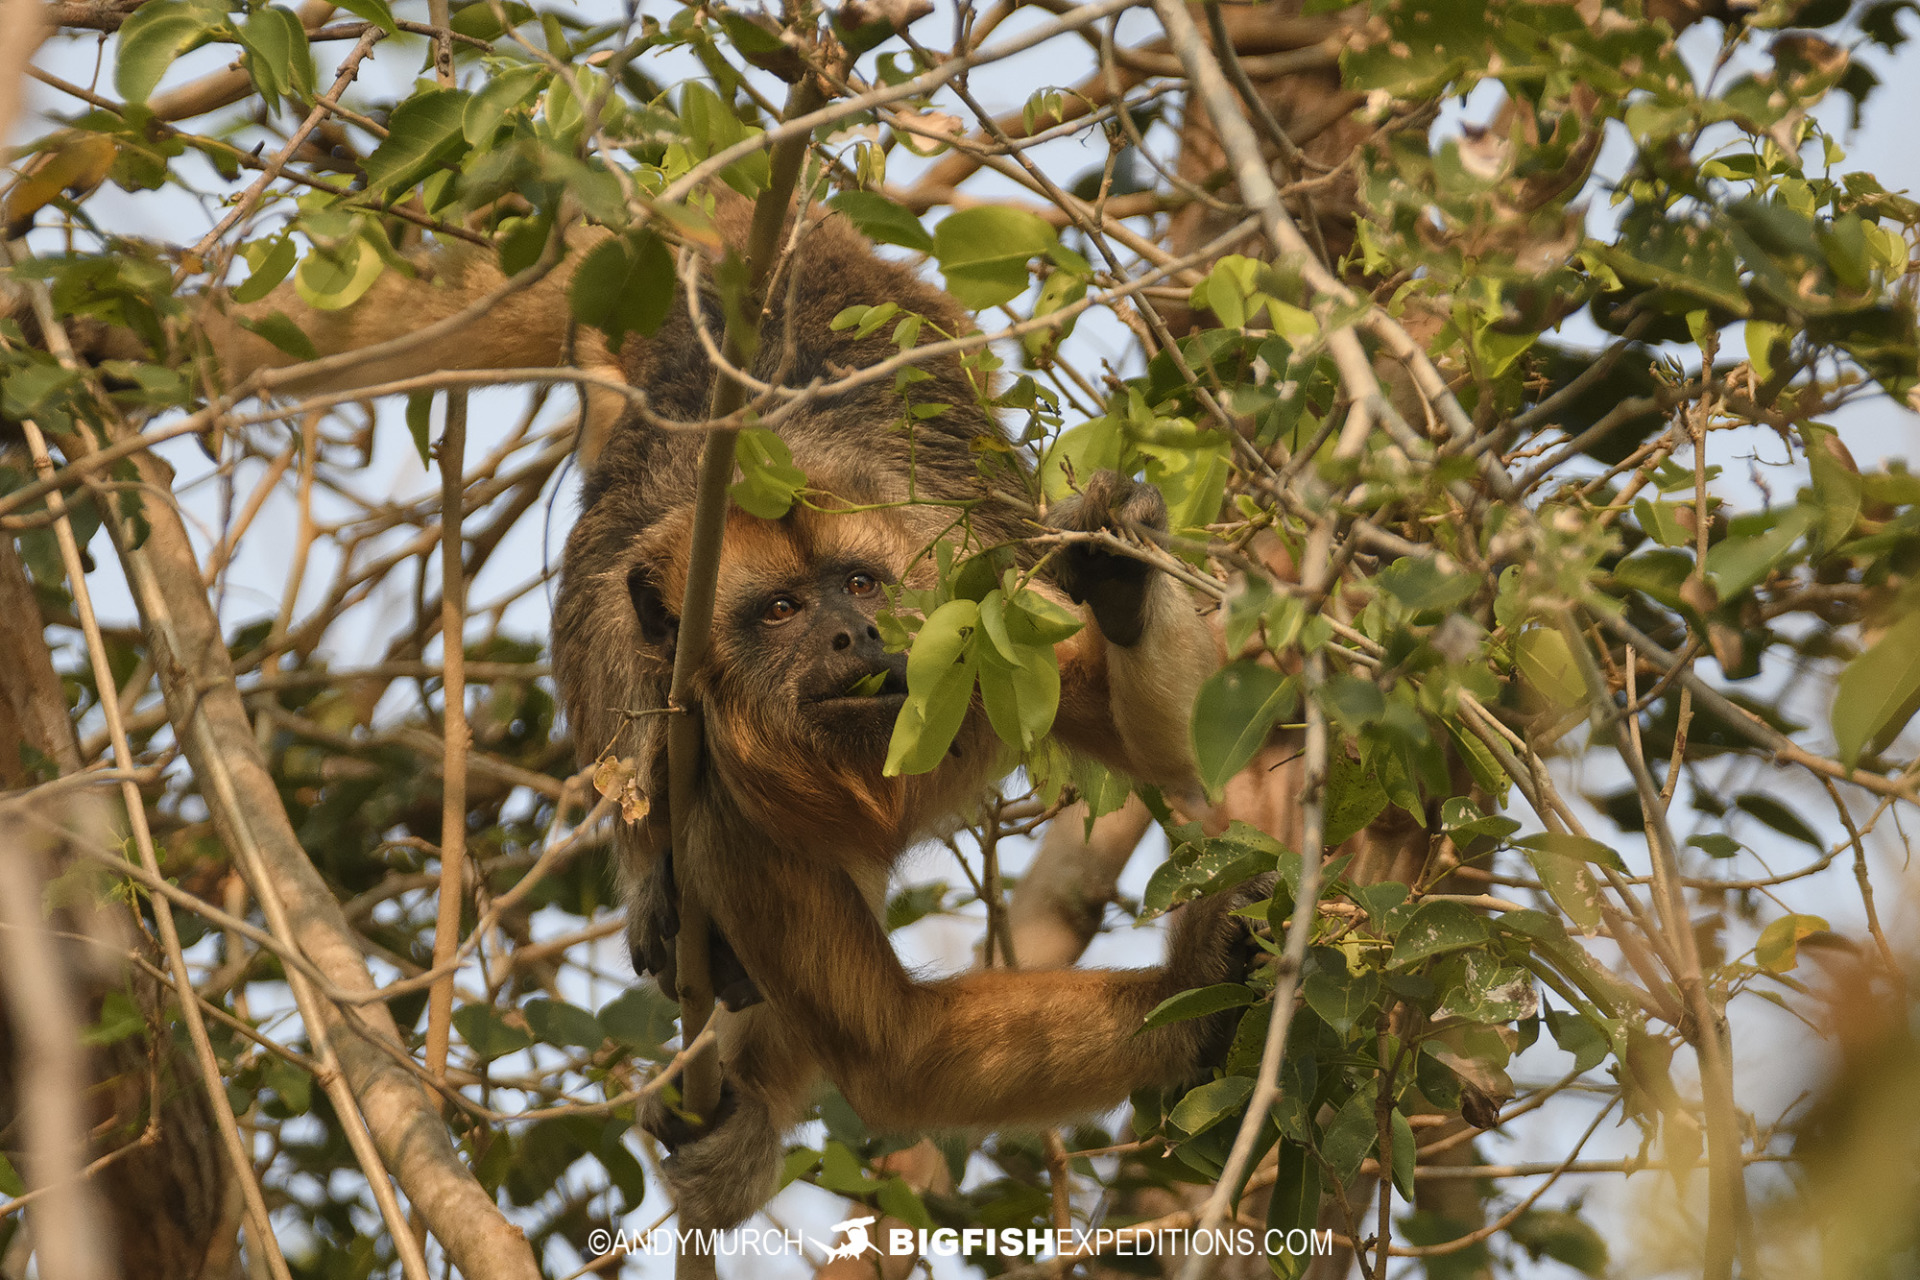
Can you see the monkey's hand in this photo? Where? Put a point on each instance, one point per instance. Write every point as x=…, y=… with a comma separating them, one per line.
x=1113, y=586
x=1211, y=945
x=721, y=1171
x=653, y=924
x=653, y=928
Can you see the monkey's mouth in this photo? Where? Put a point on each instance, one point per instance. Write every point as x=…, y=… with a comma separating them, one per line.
x=882, y=689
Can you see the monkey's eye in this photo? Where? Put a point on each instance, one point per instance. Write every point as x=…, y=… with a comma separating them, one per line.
x=779, y=609
x=862, y=584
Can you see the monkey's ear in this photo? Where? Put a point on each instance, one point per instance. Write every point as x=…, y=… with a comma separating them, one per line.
x=658, y=626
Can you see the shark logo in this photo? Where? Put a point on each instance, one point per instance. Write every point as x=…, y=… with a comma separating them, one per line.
x=858, y=1244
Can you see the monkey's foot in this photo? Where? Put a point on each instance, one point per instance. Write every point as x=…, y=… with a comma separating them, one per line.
x=719, y=1173
x=1114, y=586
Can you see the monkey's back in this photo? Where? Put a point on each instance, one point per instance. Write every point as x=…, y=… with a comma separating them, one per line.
x=858, y=439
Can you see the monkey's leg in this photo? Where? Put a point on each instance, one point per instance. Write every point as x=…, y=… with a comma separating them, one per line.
x=531, y=328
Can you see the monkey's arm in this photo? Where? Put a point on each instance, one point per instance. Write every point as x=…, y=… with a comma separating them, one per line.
x=1128, y=681
x=987, y=1048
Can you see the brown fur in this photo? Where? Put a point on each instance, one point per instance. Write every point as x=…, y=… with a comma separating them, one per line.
x=796, y=830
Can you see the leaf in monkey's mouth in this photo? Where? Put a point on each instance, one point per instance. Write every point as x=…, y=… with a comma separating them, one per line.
x=867, y=686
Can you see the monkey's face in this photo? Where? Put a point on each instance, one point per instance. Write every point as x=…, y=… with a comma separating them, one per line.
x=796, y=662
x=807, y=641
x=799, y=693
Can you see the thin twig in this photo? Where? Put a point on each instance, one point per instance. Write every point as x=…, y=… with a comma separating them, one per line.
x=453, y=685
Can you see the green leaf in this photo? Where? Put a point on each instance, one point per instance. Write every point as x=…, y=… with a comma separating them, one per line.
x=1567, y=845
x=1837, y=492
x=983, y=253
x=1661, y=521
x=32, y=387
x=1782, y=819
x=844, y=1172
x=10, y=1184
x=941, y=668
x=1542, y=656
x=1034, y=619
x=487, y=1033
x=1019, y=677
x=557, y=1022
x=1353, y=702
x=119, y=1018
x=1102, y=790
x=1339, y=997
x=1436, y=1079
x=768, y=479
x=1020, y=698
x=1354, y=799
x=377, y=12
x=1098, y=444
x=1690, y=260
x=1476, y=988
x=522, y=241
x=269, y=271
x=1658, y=572
x=330, y=279
x=1573, y=887
x=898, y=1200
x=1879, y=691
x=513, y=87
x=624, y=286
x=1419, y=584
x=1353, y=1132
x=1212, y=864
x=1294, y=1206
x=1198, y=1004
x=292, y=1085
x=1736, y=563
x=420, y=424
x=155, y=34
x=1564, y=1236
x=1764, y=339
x=1575, y=1035
x=1192, y=478
x=1435, y=928
x=1211, y=1103
x=641, y=1019
x=1778, y=949
x=1233, y=715
x=1404, y=1153
x=1715, y=846
x=712, y=126
x=880, y=219
x=868, y=685
x=282, y=333
x=278, y=57
x=1461, y=817
x=424, y=131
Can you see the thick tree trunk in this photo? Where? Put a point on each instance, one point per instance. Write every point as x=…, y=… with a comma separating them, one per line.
x=165, y=1202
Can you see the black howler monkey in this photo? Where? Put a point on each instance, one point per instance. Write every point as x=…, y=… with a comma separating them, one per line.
x=798, y=826
x=801, y=829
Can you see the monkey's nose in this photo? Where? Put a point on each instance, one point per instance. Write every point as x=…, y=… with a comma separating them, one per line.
x=844, y=641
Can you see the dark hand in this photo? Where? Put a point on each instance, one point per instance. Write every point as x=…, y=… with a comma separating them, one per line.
x=1114, y=586
x=653, y=926
x=653, y=922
